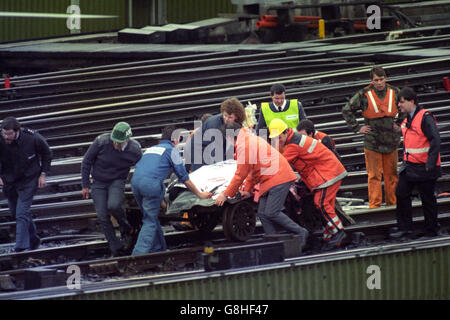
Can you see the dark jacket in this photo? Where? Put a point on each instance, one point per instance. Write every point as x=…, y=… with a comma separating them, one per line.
x=106, y=163
x=417, y=171
x=195, y=154
x=25, y=158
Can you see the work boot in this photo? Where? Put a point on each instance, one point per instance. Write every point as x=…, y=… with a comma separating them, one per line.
x=119, y=253
x=303, y=238
x=127, y=240
x=35, y=244
x=433, y=234
x=335, y=242
x=401, y=234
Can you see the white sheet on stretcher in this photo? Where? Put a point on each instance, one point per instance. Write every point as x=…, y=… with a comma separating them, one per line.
x=214, y=177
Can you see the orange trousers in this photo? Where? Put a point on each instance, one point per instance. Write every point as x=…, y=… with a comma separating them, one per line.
x=324, y=200
x=378, y=165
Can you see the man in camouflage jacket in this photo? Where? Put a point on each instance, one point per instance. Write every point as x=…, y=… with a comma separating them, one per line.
x=381, y=129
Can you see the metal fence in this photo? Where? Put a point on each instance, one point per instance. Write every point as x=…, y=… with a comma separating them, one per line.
x=183, y=11
x=386, y=274
x=32, y=19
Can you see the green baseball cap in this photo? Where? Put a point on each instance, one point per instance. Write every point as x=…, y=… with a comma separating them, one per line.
x=121, y=132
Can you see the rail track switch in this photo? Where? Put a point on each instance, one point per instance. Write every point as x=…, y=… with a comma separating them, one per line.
x=108, y=268
x=244, y=256
x=5, y=235
x=291, y=243
x=37, y=278
x=7, y=283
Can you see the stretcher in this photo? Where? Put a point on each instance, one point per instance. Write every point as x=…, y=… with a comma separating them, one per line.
x=237, y=216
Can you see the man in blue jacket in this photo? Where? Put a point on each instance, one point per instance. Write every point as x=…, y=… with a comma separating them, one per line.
x=148, y=188
x=25, y=159
x=207, y=145
x=110, y=158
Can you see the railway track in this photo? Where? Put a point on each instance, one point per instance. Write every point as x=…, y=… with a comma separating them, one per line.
x=56, y=261
x=70, y=108
x=90, y=289
x=193, y=103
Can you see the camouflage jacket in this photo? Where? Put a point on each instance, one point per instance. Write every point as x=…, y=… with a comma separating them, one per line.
x=382, y=137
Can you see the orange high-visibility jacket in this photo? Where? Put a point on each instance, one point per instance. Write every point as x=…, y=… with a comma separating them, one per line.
x=258, y=161
x=378, y=108
x=317, y=165
x=416, y=144
x=319, y=135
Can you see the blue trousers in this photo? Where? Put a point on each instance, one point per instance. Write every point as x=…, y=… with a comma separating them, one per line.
x=20, y=197
x=108, y=198
x=149, y=192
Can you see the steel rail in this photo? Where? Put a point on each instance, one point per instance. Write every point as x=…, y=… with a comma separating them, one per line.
x=80, y=223
x=359, y=190
x=311, y=110
x=48, y=209
x=104, y=120
x=174, y=240
x=120, y=265
x=106, y=93
x=217, y=74
x=352, y=73
x=359, y=177
x=195, y=60
x=180, y=96
x=191, y=60
x=178, y=100
x=258, y=59
x=72, y=164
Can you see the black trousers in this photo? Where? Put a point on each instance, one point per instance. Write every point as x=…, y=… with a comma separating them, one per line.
x=404, y=204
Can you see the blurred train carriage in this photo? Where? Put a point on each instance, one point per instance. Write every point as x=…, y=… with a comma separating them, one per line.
x=237, y=216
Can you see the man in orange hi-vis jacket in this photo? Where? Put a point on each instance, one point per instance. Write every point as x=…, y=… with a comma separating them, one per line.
x=257, y=162
x=320, y=170
x=421, y=166
x=381, y=130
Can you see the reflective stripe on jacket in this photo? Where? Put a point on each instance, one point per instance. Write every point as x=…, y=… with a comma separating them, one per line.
x=319, y=135
x=258, y=161
x=317, y=165
x=378, y=108
x=290, y=116
x=416, y=144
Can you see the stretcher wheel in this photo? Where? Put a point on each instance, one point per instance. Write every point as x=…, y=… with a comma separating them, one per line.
x=239, y=221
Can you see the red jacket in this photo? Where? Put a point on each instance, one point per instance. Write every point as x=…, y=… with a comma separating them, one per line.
x=317, y=165
x=416, y=144
x=319, y=135
x=258, y=162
